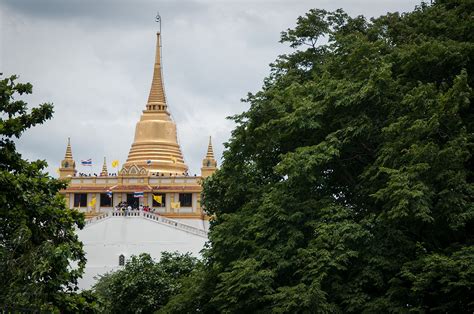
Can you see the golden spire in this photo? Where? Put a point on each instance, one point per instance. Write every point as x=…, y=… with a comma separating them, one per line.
x=156, y=98
x=104, y=169
x=68, y=150
x=155, y=146
x=210, y=152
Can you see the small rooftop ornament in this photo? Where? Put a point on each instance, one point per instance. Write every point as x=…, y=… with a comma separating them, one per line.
x=158, y=19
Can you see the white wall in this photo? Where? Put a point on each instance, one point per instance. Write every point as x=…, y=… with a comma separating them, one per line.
x=105, y=240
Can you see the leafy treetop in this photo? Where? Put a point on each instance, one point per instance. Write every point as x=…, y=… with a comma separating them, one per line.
x=41, y=257
x=348, y=185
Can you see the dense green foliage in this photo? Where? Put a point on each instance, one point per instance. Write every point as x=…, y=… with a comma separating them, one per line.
x=348, y=185
x=40, y=254
x=143, y=285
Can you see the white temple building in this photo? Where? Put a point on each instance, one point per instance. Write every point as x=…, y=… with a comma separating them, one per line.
x=154, y=177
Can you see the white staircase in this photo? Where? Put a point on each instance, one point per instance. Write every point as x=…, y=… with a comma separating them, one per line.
x=148, y=216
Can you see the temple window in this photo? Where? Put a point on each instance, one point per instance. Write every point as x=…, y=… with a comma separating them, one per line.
x=186, y=199
x=105, y=200
x=163, y=200
x=80, y=200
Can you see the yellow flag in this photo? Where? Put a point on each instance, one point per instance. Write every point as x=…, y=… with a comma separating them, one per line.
x=92, y=202
x=175, y=205
x=158, y=199
x=57, y=171
x=115, y=163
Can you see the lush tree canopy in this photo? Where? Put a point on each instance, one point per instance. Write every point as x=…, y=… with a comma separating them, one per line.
x=40, y=254
x=143, y=285
x=348, y=185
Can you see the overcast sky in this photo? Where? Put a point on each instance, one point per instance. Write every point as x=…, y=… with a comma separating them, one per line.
x=93, y=59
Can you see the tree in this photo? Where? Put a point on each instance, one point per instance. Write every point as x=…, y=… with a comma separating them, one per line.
x=143, y=285
x=41, y=257
x=348, y=184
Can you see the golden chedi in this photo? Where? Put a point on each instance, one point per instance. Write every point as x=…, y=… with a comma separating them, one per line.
x=155, y=146
x=209, y=163
x=68, y=165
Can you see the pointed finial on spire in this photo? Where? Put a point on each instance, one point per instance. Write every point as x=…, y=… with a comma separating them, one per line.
x=210, y=151
x=158, y=19
x=104, y=169
x=68, y=149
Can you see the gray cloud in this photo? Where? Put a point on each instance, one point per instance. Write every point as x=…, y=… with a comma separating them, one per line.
x=94, y=61
x=106, y=13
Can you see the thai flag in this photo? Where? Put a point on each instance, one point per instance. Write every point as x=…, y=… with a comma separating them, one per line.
x=86, y=162
x=109, y=194
x=138, y=194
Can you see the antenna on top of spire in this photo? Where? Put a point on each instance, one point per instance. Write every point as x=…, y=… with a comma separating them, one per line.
x=158, y=19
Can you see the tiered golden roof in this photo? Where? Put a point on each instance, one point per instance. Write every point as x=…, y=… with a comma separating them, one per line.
x=155, y=145
x=68, y=154
x=210, y=151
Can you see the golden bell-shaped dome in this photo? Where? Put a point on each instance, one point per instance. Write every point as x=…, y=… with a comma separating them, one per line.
x=155, y=146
